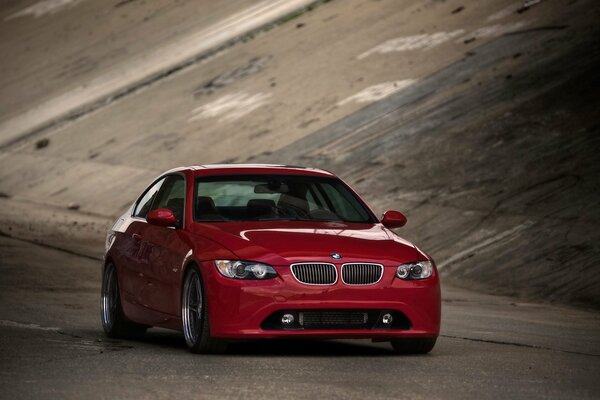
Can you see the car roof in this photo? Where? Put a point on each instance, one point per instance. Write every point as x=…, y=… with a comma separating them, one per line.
x=247, y=169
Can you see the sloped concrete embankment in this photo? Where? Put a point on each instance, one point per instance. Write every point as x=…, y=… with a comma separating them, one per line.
x=493, y=159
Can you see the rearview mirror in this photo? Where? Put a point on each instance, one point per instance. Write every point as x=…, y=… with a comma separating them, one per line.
x=393, y=219
x=161, y=217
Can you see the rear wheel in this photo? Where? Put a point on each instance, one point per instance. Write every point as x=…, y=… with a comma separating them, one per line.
x=113, y=321
x=194, y=316
x=413, y=346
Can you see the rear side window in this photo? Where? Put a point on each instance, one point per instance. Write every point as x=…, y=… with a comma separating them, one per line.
x=145, y=202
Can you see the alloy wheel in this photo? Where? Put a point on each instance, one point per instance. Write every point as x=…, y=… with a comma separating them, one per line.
x=110, y=295
x=191, y=308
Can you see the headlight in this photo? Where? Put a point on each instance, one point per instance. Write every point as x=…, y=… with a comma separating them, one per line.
x=237, y=269
x=416, y=270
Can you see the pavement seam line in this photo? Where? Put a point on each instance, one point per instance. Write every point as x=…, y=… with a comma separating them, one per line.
x=53, y=247
x=516, y=344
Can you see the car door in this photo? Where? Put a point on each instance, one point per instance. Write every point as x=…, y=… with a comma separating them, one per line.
x=165, y=250
x=133, y=248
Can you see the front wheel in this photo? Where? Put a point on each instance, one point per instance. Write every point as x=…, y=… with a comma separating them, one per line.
x=413, y=346
x=113, y=321
x=194, y=316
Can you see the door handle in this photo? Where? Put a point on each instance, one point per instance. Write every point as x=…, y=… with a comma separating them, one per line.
x=137, y=237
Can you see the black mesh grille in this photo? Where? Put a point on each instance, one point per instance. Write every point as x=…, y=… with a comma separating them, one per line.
x=332, y=319
x=361, y=274
x=315, y=273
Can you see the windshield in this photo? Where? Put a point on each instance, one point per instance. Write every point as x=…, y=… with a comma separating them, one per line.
x=276, y=197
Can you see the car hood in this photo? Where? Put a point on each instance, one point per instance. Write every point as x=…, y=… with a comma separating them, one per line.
x=286, y=242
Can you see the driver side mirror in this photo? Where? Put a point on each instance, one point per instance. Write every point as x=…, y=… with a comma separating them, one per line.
x=161, y=217
x=393, y=219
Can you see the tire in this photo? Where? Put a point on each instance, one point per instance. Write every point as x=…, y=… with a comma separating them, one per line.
x=194, y=316
x=113, y=320
x=413, y=346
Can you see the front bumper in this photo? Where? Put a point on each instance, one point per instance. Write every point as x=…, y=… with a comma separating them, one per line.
x=242, y=308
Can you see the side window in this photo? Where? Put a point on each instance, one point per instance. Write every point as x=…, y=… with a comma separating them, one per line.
x=342, y=204
x=171, y=196
x=143, y=205
x=313, y=203
x=315, y=199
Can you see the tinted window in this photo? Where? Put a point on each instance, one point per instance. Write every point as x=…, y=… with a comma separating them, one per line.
x=234, y=193
x=144, y=204
x=171, y=195
x=276, y=197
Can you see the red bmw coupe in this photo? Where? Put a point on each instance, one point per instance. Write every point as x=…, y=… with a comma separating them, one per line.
x=225, y=252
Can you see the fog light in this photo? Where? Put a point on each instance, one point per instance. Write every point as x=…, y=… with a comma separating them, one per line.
x=287, y=319
x=387, y=319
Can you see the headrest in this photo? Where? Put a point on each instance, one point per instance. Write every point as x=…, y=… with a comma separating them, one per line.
x=205, y=205
x=294, y=202
x=259, y=207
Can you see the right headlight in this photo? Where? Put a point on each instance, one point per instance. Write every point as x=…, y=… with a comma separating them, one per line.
x=237, y=269
x=416, y=270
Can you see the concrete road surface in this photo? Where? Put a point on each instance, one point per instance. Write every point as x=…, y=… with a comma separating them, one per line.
x=52, y=346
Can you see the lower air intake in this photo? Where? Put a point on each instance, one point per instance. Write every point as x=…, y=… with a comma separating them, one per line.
x=346, y=319
x=333, y=319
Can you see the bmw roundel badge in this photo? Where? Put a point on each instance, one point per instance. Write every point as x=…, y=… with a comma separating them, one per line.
x=336, y=256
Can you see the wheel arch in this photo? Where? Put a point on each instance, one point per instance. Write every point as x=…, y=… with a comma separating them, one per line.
x=110, y=260
x=107, y=260
x=187, y=265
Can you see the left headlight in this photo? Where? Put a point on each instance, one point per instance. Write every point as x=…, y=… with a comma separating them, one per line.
x=416, y=270
x=237, y=269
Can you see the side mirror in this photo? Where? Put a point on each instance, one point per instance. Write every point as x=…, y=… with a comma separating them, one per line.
x=161, y=217
x=393, y=219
